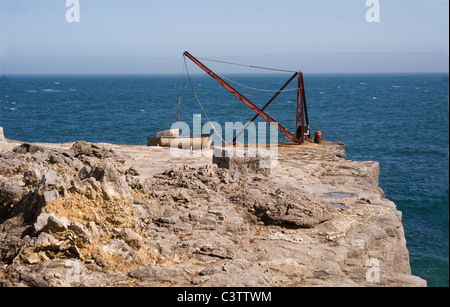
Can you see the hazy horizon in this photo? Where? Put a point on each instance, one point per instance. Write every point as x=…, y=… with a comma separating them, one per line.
x=331, y=63
x=136, y=37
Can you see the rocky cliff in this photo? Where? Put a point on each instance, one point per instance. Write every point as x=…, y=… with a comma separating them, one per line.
x=83, y=214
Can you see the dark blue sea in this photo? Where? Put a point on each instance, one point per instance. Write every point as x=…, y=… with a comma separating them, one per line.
x=401, y=121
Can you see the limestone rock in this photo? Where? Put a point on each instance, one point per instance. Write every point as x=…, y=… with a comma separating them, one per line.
x=49, y=196
x=32, y=177
x=236, y=273
x=28, y=148
x=55, y=224
x=114, y=186
x=243, y=160
x=49, y=181
x=86, y=149
x=51, y=223
x=105, y=215
x=10, y=193
x=131, y=238
x=157, y=274
x=290, y=208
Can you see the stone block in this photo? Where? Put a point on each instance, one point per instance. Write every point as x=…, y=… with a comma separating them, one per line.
x=243, y=160
x=170, y=133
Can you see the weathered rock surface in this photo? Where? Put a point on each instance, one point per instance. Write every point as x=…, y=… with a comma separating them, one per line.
x=83, y=214
x=243, y=160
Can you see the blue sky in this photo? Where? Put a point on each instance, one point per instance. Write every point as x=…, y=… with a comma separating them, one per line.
x=137, y=36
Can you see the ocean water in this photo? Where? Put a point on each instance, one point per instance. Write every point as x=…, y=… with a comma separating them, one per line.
x=401, y=121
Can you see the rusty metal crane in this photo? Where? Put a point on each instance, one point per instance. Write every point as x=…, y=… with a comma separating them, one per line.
x=302, y=122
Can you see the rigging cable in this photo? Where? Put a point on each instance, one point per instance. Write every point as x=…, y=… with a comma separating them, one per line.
x=257, y=89
x=180, y=89
x=178, y=109
x=198, y=100
x=251, y=66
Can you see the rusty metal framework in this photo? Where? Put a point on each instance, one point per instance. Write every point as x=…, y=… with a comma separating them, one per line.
x=302, y=122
